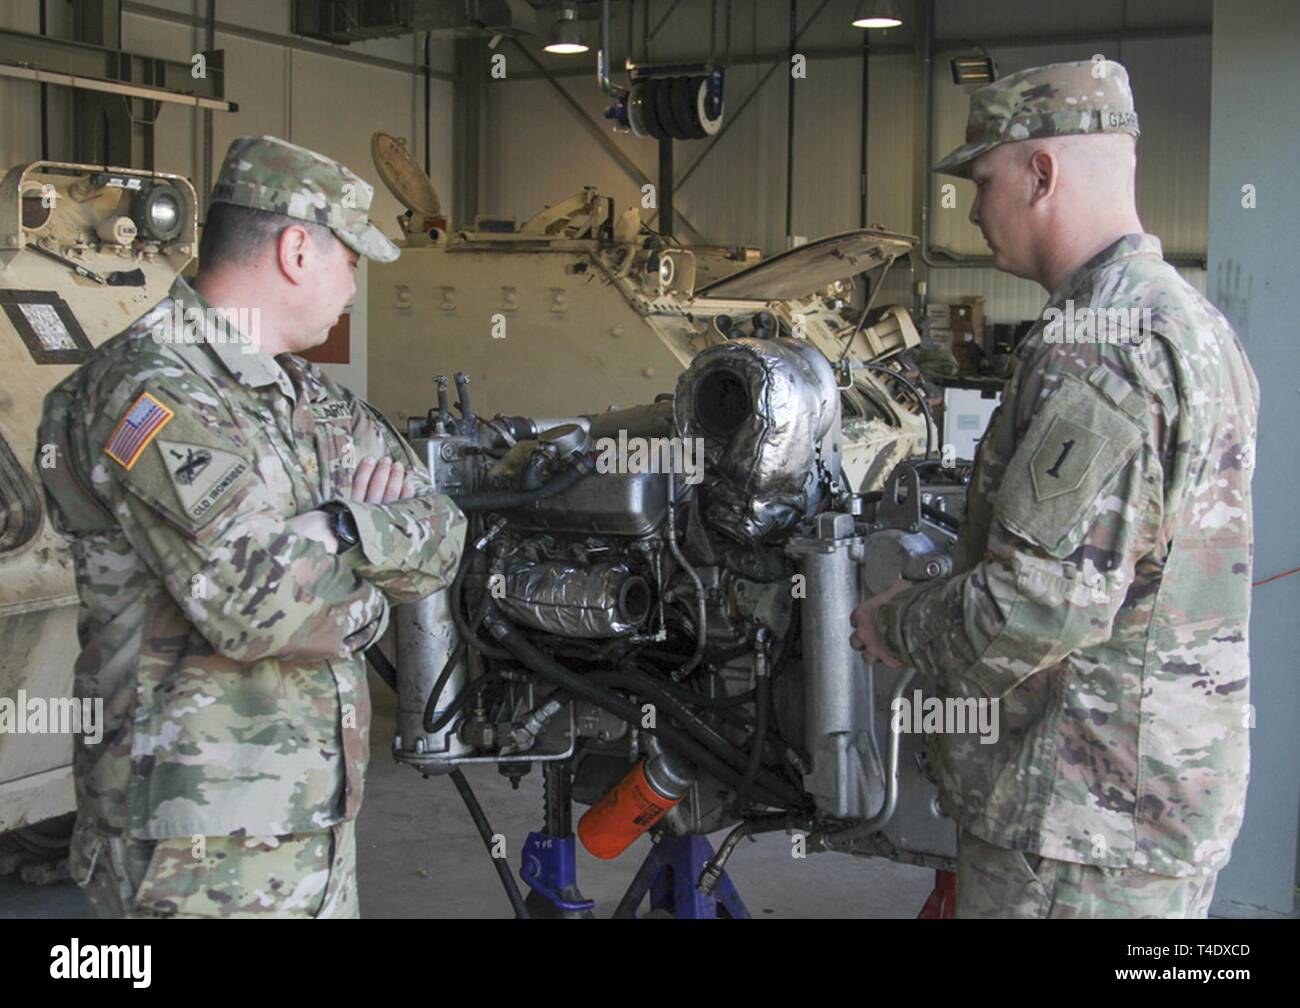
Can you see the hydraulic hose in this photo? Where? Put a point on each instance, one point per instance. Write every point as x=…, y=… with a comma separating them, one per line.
x=382, y=666
x=546, y=667
x=712, y=873
x=485, y=831
x=457, y=591
x=917, y=394
x=509, y=500
x=461, y=699
x=763, y=686
x=455, y=658
x=696, y=729
x=701, y=609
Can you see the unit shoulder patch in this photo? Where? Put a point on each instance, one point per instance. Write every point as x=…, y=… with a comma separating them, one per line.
x=1075, y=447
x=1063, y=458
x=201, y=476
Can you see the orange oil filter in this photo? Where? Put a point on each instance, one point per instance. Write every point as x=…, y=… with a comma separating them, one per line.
x=630, y=807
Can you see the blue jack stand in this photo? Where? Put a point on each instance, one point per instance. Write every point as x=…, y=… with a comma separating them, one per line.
x=550, y=868
x=670, y=873
x=550, y=857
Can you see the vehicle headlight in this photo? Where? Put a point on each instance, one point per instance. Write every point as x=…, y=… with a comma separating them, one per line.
x=159, y=212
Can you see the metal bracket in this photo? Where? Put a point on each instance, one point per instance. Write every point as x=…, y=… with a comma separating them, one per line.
x=900, y=504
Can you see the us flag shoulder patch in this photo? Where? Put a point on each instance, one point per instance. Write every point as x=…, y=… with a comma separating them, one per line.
x=146, y=417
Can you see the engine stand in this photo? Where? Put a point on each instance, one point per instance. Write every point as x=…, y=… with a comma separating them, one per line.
x=550, y=857
x=669, y=874
x=942, y=902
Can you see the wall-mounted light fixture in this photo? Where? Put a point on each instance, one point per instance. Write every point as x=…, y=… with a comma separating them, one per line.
x=973, y=69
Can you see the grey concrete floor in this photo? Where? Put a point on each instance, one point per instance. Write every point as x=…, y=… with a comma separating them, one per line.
x=418, y=855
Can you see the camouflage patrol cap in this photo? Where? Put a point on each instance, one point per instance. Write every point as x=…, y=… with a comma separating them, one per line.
x=267, y=173
x=1090, y=96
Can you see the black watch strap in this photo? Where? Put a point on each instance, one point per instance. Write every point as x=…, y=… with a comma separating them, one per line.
x=342, y=524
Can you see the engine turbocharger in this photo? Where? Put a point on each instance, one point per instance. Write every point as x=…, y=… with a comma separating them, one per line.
x=768, y=414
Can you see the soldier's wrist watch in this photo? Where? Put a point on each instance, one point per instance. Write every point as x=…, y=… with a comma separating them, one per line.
x=341, y=524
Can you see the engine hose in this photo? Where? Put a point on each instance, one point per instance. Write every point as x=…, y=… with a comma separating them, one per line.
x=917, y=394
x=700, y=700
x=677, y=691
x=508, y=500
x=382, y=666
x=455, y=658
x=485, y=831
x=702, y=733
x=546, y=667
x=756, y=746
x=712, y=873
x=676, y=700
x=462, y=698
x=530, y=477
x=691, y=727
x=457, y=591
x=720, y=707
x=431, y=702
x=702, y=615
x=647, y=687
x=943, y=518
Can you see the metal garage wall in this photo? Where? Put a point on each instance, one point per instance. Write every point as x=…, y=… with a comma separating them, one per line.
x=20, y=101
x=536, y=152
x=1171, y=88
x=1253, y=256
x=330, y=105
x=326, y=103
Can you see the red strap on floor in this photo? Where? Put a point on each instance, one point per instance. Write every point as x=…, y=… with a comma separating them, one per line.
x=942, y=902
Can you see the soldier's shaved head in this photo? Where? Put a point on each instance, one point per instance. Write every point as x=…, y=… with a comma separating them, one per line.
x=235, y=236
x=1047, y=204
x=1051, y=151
x=1095, y=165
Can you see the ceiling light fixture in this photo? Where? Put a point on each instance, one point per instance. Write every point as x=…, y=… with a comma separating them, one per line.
x=566, y=39
x=876, y=14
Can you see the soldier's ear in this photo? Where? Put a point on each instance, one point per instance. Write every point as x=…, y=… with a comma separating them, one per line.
x=292, y=253
x=1044, y=169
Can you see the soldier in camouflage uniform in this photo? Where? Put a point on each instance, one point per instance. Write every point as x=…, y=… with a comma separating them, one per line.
x=1102, y=591
x=224, y=614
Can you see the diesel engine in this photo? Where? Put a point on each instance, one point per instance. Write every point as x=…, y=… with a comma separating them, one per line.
x=654, y=603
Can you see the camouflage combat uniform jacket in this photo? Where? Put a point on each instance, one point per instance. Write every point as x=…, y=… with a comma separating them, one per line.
x=1103, y=591
x=226, y=648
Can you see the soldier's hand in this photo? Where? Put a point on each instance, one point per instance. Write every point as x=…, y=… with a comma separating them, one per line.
x=314, y=525
x=381, y=481
x=866, y=637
